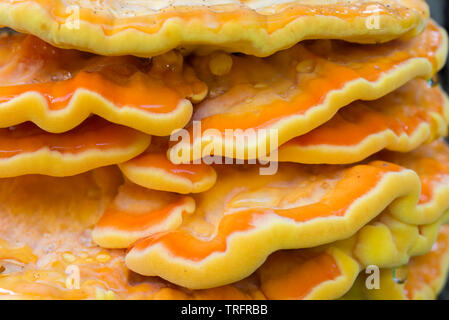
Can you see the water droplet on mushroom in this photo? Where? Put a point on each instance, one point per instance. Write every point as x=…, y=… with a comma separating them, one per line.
x=433, y=82
x=400, y=275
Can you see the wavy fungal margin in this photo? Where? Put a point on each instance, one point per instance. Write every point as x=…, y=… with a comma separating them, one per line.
x=255, y=28
x=309, y=104
x=58, y=89
x=381, y=185
x=317, y=273
x=27, y=149
x=359, y=130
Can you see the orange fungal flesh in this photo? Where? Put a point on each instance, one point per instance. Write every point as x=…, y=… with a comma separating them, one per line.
x=194, y=173
x=58, y=216
x=290, y=89
x=401, y=112
x=93, y=134
x=293, y=275
x=416, y=99
x=150, y=24
x=425, y=269
x=138, y=212
x=345, y=63
x=115, y=217
x=335, y=201
x=124, y=221
x=27, y=149
x=431, y=164
x=59, y=237
x=156, y=88
x=152, y=169
x=421, y=278
x=253, y=27
x=249, y=206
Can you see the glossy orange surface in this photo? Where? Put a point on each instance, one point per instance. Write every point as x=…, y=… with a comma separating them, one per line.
x=57, y=218
x=156, y=158
x=126, y=214
x=294, y=274
x=93, y=134
x=424, y=270
x=322, y=203
x=431, y=164
x=401, y=112
x=259, y=92
x=221, y=14
x=60, y=77
x=335, y=201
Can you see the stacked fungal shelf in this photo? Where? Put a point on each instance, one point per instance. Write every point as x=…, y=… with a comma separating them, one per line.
x=222, y=150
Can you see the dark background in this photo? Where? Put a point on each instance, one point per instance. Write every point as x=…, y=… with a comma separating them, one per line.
x=440, y=12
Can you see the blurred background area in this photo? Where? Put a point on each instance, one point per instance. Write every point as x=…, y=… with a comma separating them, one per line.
x=440, y=12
